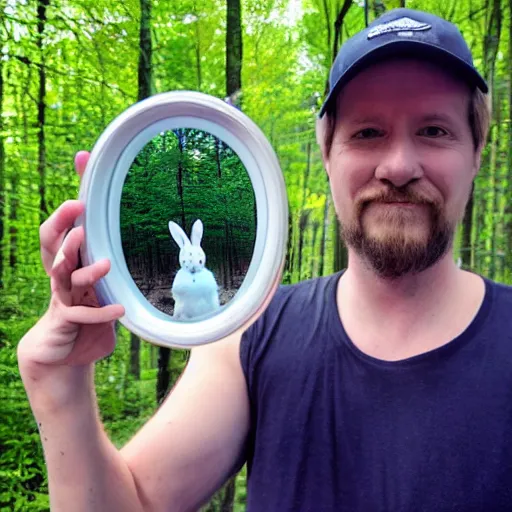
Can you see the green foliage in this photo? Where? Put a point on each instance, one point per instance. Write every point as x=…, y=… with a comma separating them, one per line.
x=23, y=478
x=182, y=176
x=90, y=57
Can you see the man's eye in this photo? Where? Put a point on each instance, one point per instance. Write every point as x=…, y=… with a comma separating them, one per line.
x=433, y=131
x=367, y=133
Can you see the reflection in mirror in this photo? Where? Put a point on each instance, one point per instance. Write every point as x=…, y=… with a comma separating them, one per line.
x=188, y=223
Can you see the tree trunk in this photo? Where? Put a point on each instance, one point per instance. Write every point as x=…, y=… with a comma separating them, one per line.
x=218, y=147
x=2, y=175
x=228, y=256
x=466, y=255
x=338, y=24
x=491, y=45
x=164, y=374
x=327, y=13
x=198, y=54
x=229, y=496
x=303, y=222
x=325, y=230
x=236, y=256
x=314, y=268
x=290, y=250
x=303, y=219
x=181, y=145
x=234, y=49
x=492, y=41
x=144, y=82
x=13, y=221
x=378, y=8
x=135, y=355
x=41, y=109
x=13, y=195
x=145, y=51
x=340, y=251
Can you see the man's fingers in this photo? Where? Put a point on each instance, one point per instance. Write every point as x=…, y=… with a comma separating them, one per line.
x=53, y=230
x=65, y=263
x=89, y=315
x=87, y=277
x=81, y=159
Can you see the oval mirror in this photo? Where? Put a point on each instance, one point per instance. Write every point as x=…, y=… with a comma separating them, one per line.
x=185, y=196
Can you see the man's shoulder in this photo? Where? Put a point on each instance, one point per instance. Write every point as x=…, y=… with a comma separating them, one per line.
x=294, y=303
x=501, y=295
x=307, y=289
x=500, y=291
x=295, y=312
x=496, y=310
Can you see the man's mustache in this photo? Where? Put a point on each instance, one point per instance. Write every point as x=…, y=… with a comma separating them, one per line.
x=394, y=196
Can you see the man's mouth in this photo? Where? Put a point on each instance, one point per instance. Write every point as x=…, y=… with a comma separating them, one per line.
x=401, y=203
x=395, y=200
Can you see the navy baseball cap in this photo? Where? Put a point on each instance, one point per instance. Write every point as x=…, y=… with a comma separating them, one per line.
x=403, y=32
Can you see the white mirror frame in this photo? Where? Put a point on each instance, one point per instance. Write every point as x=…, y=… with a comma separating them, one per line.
x=101, y=191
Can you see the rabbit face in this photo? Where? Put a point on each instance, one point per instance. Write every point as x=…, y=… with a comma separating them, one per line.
x=192, y=258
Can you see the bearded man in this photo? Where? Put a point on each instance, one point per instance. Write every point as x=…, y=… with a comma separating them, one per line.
x=385, y=387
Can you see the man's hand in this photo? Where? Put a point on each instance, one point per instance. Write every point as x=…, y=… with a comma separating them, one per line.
x=74, y=330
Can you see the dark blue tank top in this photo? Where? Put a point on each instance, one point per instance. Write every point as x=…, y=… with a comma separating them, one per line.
x=335, y=430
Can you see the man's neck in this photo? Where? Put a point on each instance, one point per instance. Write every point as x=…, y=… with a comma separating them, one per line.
x=399, y=318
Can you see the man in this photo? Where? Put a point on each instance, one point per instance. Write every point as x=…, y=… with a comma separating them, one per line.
x=387, y=387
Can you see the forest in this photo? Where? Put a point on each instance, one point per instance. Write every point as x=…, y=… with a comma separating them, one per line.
x=69, y=67
x=184, y=175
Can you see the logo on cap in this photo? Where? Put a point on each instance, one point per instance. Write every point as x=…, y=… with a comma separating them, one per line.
x=403, y=26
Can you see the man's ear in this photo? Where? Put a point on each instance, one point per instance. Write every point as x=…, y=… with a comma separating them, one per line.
x=321, y=127
x=477, y=160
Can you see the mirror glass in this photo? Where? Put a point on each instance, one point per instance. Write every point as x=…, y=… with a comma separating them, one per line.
x=188, y=223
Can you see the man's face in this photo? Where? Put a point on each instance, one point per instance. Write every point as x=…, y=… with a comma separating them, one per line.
x=401, y=164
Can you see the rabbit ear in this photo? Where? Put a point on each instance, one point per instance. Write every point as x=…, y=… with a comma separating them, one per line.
x=178, y=234
x=197, y=232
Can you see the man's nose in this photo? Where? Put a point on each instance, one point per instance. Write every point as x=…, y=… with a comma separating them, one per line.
x=399, y=164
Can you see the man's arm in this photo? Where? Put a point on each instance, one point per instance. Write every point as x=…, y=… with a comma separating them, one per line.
x=183, y=454
x=190, y=447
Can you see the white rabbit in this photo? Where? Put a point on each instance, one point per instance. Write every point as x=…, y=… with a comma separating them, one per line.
x=194, y=289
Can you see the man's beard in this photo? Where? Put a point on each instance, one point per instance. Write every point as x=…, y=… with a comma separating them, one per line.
x=398, y=254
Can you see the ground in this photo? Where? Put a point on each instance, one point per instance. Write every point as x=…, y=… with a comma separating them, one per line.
x=158, y=292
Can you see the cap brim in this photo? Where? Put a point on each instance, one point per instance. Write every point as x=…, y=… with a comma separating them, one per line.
x=415, y=49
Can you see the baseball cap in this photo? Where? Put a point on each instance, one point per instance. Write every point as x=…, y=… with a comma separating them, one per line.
x=403, y=32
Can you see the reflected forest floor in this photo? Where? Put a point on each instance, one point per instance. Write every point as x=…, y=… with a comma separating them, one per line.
x=157, y=291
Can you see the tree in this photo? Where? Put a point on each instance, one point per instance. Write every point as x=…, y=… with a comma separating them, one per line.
x=42, y=6
x=234, y=49
x=2, y=174
x=144, y=91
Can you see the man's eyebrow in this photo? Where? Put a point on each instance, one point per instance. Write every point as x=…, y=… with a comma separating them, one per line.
x=434, y=117
x=437, y=117
x=365, y=119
